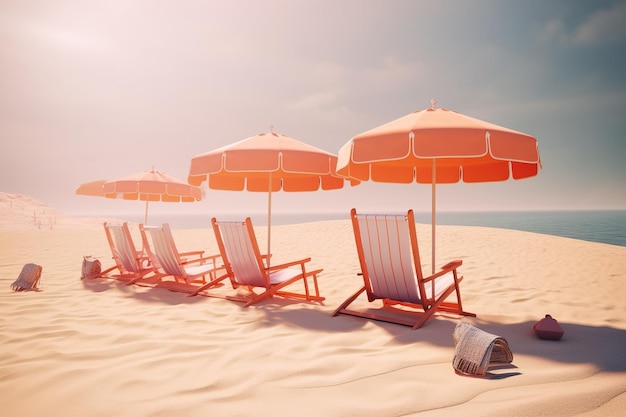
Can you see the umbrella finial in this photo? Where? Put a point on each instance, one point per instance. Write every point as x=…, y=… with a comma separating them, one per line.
x=433, y=103
x=272, y=129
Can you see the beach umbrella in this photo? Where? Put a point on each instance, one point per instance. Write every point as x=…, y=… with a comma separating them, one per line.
x=438, y=146
x=267, y=162
x=93, y=188
x=146, y=186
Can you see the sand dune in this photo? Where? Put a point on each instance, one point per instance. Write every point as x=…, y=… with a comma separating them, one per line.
x=101, y=348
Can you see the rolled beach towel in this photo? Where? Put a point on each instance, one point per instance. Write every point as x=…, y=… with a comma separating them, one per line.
x=475, y=349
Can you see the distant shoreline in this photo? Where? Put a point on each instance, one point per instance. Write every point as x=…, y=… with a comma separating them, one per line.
x=602, y=226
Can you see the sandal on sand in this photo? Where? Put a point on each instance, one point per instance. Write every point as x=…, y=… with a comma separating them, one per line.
x=476, y=349
x=28, y=279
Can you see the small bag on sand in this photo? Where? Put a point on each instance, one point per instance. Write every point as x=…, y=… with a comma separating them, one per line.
x=28, y=279
x=91, y=267
x=548, y=329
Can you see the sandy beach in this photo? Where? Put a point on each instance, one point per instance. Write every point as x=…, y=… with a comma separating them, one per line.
x=102, y=348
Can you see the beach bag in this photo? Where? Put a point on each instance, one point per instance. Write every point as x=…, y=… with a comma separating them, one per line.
x=548, y=329
x=91, y=267
x=28, y=278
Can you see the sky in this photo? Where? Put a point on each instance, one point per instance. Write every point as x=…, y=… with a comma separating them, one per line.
x=95, y=90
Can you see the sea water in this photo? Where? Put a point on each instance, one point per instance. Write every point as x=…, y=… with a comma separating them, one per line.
x=604, y=226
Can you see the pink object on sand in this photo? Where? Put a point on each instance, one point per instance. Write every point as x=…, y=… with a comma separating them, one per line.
x=548, y=329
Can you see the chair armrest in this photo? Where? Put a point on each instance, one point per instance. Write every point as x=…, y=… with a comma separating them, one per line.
x=203, y=259
x=193, y=253
x=213, y=257
x=300, y=262
x=450, y=266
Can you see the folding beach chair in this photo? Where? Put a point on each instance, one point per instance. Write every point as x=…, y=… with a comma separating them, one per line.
x=167, y=261
x=391, y=269
x=246, y=267
x=131, y=264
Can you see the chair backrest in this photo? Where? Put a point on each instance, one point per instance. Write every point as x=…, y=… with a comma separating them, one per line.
x=389, y=256
x=240, y=251
x=159, y=243
x=122, y=246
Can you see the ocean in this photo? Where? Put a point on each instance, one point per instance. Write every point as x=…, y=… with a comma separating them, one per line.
x=604, y=226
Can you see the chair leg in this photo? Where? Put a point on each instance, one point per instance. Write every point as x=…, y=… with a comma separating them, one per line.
x=103, y=274
x=456, y=308
x=424, y=317
x=208, y=285
x=141, y=276
x=276, y=290
x=269, y=292
x=348, y=302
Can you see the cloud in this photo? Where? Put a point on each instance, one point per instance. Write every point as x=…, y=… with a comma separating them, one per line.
x=604, y=26
x=553, y=30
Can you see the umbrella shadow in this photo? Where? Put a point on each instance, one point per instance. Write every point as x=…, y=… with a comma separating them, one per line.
x=600, y=346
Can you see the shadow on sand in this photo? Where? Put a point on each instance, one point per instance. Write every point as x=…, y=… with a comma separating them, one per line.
x=600, y=346
x=583, y=344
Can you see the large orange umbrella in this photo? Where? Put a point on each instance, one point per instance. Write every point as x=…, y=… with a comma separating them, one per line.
x=146, y=186
x=267, y=162
x=439, y=146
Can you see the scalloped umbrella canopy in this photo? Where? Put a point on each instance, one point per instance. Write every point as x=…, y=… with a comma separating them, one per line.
x=267, y=162
x=439, y=146
x=146, y=186
x=267, y=158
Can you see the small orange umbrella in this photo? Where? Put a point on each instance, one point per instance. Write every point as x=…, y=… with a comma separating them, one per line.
x=267, y=162
x=439, y=146
x=145, y=186
x=93, y=188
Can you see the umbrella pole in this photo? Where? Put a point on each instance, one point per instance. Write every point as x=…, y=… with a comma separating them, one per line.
x=269, y=219
x=433, y=208
x=145, y=219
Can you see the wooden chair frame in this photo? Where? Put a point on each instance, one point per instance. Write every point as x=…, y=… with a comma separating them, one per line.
x=388, y=252
x=246, y=267
x=168, y=261
x=131, y=263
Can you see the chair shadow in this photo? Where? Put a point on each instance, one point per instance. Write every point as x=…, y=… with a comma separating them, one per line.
x=162, y=294
x=165, y=296
x=309, y=317
x=600, y=346
x=98, y=284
